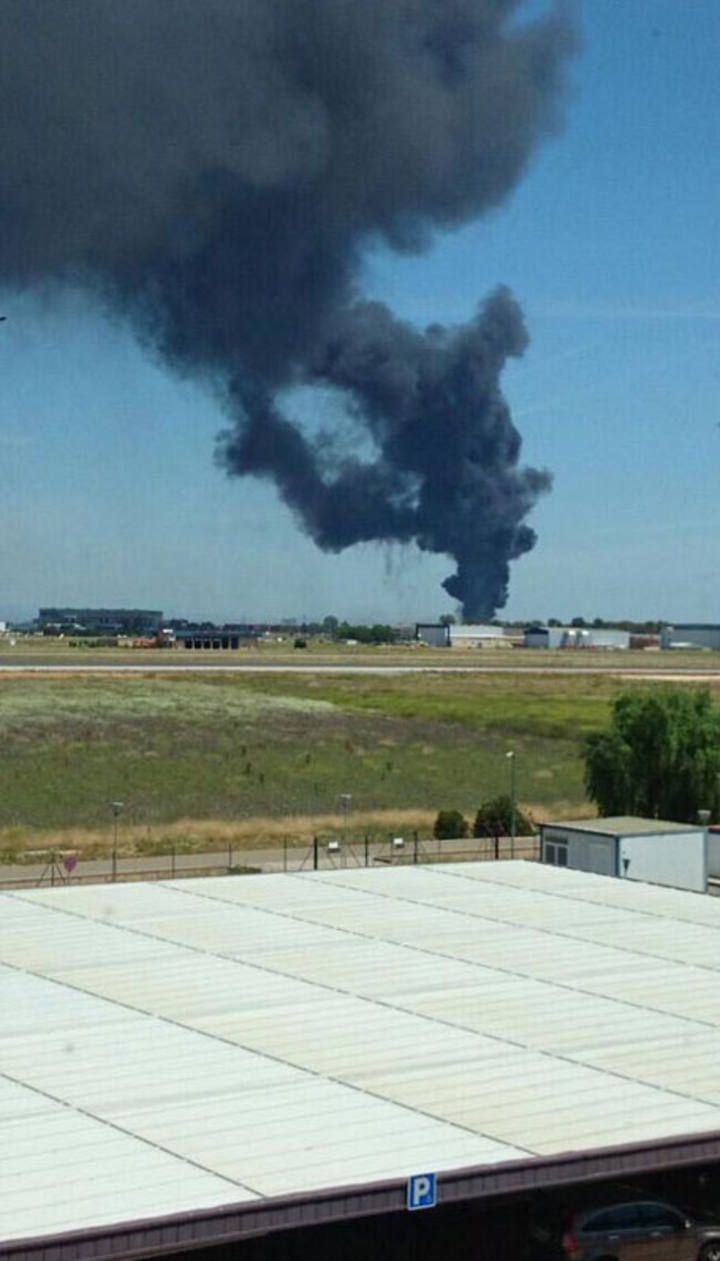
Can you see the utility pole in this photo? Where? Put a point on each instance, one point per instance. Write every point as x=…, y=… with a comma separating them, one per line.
x=513, y=807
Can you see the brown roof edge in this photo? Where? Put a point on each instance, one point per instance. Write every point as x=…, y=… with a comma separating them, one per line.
x=184, y=1231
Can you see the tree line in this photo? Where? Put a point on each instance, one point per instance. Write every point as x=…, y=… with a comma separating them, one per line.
x=658, y=759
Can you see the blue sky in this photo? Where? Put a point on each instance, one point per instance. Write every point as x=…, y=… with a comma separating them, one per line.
x=610, y=243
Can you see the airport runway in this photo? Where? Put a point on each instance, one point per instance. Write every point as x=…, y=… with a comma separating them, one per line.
x=691, y=674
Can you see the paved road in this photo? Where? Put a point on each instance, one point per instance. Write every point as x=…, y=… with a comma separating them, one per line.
x=691, y=673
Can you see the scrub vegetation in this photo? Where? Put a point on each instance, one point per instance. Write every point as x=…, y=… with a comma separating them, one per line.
x=205, y=759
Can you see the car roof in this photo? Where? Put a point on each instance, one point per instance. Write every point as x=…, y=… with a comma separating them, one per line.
x=587, y=1214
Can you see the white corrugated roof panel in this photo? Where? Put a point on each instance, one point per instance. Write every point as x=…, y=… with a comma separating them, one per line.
x=192, y=1043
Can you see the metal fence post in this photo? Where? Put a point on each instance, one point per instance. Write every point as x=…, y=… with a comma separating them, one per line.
x=113, y=876
x=315, y=853
x=415, y=847
x=367, y=850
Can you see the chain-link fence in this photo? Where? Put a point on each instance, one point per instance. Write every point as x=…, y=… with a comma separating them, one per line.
x=324, y=853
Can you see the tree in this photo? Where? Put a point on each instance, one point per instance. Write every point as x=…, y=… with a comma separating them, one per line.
x=447, y=619
x=449, y=825
x=494, y=818
x=660, y=757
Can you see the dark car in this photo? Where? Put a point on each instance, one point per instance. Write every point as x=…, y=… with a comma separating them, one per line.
x=641, y=1230
x=637, y=1231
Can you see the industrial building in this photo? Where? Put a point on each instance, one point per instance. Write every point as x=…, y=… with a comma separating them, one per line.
x=433, y=634
x=464, y=635
x=204, y=1061
x=666, y=853
x=576, y=637
x=482, y=635
x=100, y=621
x=213, y=637
x=691, y=635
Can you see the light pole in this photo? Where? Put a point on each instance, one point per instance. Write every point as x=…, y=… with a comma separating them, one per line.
x=116, y=807
x=345, y=803
x=511, y=758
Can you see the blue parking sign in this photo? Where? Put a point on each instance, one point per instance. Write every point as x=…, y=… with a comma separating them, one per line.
x=421, y=1191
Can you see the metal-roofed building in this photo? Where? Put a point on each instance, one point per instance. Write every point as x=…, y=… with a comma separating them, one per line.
x=691, y=635
x=201, y=1061
x=433, y=634
x=607, y=637
x=101, y=621
x=661, y=852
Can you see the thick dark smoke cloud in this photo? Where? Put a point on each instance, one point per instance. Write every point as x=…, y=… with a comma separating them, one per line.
x=213, y=170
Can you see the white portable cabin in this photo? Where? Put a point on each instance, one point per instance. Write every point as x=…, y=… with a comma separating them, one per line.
x=713, y=846
x=653, y=850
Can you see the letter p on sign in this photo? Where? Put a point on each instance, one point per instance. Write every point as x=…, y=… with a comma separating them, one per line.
x=421, y=1191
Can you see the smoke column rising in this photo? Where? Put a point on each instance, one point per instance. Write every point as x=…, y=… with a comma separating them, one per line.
x=213, y=171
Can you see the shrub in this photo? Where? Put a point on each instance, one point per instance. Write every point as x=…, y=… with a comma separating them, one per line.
x=494, y=818
x=449, y=825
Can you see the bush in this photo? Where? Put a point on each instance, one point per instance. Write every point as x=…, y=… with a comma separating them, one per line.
x=494, y=818
x=300, y=643
x=449, y=825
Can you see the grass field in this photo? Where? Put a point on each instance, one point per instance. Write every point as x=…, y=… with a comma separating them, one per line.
x=36, y=651
x=203, y=759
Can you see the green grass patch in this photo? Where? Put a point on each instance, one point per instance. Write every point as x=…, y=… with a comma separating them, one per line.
x=236, y=747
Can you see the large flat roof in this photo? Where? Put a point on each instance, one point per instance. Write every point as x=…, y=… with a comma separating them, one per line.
x=624, y=825
x=222, y=1049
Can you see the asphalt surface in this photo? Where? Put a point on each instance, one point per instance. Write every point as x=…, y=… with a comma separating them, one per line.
x=90, y=666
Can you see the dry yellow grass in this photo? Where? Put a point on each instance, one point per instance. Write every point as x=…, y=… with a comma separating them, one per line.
x=207, y=835
x=216, y=834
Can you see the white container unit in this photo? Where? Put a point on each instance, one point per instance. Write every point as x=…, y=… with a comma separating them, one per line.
x=713, y=846
x=653, y=850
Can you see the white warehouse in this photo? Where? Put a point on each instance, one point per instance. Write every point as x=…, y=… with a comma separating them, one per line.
x=652, y=850
x=576, y=637
x=691, y=635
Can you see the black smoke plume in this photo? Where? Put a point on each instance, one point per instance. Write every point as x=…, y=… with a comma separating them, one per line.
x=214, y=169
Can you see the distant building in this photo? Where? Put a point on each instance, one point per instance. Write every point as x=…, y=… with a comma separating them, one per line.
x=99, y=621
x=433, y=634
x=207, y=637
x=479, y=635
x=576, y=637
x=691, y=635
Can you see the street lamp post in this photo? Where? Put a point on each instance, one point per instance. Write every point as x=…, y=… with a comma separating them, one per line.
x=513, y=809
x=345, y=803
x=116, y=807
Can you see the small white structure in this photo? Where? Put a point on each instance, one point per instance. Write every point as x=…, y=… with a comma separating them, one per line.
x=713, y=848
x=653, y=850
x=691, y=635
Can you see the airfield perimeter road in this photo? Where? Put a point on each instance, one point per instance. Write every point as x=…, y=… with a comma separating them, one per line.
x=28, y=657
x=691, y=674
